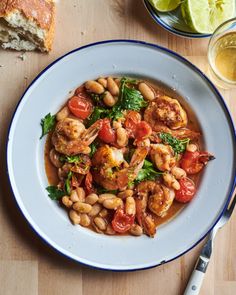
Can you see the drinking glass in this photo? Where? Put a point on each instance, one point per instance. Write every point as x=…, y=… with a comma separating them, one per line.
x=222, y=55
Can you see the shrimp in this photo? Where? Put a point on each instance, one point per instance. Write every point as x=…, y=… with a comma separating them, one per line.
x=165, y=112
x=157, y=197
x=112, y=171
x=163, y=156
x=70, y=136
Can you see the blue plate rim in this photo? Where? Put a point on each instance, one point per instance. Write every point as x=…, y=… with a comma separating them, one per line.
x=172, y=30
x=129, y=41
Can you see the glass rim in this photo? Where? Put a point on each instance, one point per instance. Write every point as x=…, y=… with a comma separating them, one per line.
x=220, y=77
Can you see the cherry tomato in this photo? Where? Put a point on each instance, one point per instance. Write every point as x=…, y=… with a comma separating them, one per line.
x=80, y=106
x=193, y=162
x=131, y=121
x=143, y=130
x=187, y=190
x=106, y=133
x=122, y=222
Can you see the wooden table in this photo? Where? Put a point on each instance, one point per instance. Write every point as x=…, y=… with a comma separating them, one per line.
x=27, y=265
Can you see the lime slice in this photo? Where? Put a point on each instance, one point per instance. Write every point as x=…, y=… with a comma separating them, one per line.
x=204, y=16
x=165, y=5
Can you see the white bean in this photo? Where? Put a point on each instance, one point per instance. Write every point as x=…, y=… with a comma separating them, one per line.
x=130, y=206
x=103, y=213
x=91, y=199
x=82, y=207
x=103, y=82
x=94, y=87
x=136, y=230
x=146, y=91
x=113, y=204
x=66, y=201
x=191, y=147
x=178, y=172
x=109, y=100
x=63, y=113
x=110, y=230
x=112, y=86
x=84, y=220
x=125, y=194
x=104, y=197
x=74, y=196
x=74, y=217
x=170, y=181
x=100, y=223
x=81, y=194
x=96, y=208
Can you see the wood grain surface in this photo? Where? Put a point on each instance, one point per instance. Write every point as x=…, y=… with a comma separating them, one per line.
x=27, y=265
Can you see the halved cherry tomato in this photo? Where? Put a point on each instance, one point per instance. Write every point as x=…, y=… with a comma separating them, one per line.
x=193, y=162
x=80, y=106
x=131, y=121
x=143, y=130
x=106, y=133
x=122, y=222
x=187, y=190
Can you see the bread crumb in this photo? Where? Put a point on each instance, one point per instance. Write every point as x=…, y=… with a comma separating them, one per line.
x=82, y=33
x=25, y=77
x=1, y=66
x=22, y=56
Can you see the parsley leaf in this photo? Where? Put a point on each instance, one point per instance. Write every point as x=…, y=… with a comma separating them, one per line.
x=129, y=99
x=71, y=159
x=55, y=193
x=178, y=145
x=148, y=172
x=67, y=183
x=47, y=124
x=132, y=99
x=98, y=113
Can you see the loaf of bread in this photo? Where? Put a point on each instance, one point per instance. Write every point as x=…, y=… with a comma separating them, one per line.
x=27, y=24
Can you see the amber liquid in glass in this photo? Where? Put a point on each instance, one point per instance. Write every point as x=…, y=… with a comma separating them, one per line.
x=223, y=56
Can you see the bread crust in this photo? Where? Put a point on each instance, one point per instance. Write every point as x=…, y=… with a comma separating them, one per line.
x=3, y=6
x=42, y=12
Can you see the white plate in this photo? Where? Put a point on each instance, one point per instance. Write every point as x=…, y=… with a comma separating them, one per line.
x=26, y=166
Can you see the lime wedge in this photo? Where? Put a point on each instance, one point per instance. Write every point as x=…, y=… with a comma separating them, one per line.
x=165, y=5
x=204, y=16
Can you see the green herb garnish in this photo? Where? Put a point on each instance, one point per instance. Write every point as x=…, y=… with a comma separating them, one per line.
x=148, y=172
x=98, y=113
x=97, y=98
x=47, y=124
x=129, y=99
x=178, y=145
x=93, y=147
x=68, y=183
x=55, y=193
x=71, y=159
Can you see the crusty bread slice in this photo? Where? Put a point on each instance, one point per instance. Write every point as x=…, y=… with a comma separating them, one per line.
x=27, y=24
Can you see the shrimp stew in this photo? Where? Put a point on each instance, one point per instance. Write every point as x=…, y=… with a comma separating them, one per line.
x=122, y=156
